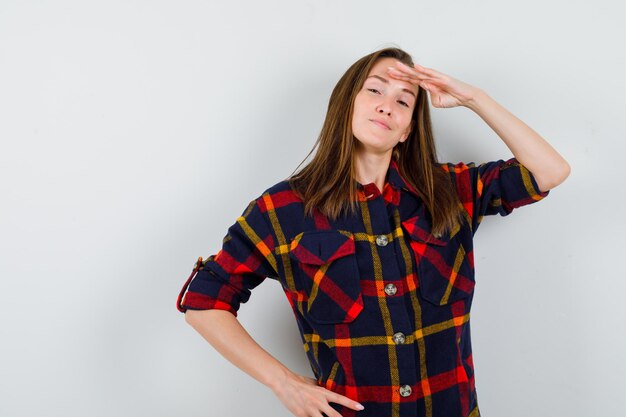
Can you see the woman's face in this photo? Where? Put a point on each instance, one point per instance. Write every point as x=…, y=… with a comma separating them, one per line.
x=383, y=109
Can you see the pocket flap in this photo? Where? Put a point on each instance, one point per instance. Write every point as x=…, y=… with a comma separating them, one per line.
x=419, y=229
x=444, y=272
x=321, y=246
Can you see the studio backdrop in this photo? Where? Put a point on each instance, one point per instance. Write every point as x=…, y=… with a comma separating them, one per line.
x=133, y=134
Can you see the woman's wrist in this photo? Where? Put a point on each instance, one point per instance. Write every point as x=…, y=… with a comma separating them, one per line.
x=278, y=379
x=477, y=101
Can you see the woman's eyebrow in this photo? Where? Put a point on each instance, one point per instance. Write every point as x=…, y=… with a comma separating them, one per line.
x=387, y=81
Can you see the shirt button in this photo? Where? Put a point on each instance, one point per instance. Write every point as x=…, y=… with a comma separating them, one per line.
x=399, y=338
x=405, y=390
x=390, y=289
x=381, y=240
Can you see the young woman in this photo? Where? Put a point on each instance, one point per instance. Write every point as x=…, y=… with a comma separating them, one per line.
x=372, y=245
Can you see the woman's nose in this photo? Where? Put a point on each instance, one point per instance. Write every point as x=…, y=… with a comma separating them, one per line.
x=384, y=106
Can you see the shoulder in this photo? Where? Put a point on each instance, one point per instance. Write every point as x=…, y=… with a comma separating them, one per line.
x=459, y=173
x=277, y=195
x=456, y=167
x=281, y=189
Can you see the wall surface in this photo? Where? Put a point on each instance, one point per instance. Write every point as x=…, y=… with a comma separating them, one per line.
x=133, y=133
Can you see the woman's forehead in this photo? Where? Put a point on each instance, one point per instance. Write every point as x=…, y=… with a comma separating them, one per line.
x=379, y=70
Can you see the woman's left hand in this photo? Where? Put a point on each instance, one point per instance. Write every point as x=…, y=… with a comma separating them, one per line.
x=444, y=90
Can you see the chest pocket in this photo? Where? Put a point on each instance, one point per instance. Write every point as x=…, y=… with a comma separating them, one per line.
x=444, y=271
x=328, y=273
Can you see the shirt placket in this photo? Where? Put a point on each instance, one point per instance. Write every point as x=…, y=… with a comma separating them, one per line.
x=380, y=225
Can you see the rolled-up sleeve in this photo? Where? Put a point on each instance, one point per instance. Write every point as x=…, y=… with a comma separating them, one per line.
x=495, y=187
x=225, y=280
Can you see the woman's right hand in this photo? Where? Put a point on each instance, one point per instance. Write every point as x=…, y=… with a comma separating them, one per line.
x=304, y=398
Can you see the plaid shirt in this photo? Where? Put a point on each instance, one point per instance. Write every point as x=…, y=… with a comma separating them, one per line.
x=382, y=304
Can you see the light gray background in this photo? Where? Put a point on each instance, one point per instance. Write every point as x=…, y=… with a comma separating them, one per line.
x=135, y=132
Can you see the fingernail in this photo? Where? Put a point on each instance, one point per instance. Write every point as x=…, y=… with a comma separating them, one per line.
x=360, y=406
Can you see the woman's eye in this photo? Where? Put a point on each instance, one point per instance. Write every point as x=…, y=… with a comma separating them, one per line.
x=403, y=103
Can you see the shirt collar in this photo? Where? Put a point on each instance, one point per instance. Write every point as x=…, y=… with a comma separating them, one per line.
x=394, y=185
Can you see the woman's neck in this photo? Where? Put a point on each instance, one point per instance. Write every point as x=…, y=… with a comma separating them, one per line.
x=372, y=168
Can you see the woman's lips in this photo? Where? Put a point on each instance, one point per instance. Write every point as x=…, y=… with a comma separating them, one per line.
x=381, y=124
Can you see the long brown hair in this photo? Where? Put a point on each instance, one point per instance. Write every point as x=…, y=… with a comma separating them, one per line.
x=327, y=182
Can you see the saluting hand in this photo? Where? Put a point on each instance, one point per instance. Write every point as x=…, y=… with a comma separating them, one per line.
x=445, y=91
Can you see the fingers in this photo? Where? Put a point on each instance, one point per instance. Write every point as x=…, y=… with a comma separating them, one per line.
x=303, y=396
x=422, y=70
x=429, y=71
x=414, y=78
x=404, y=74
x=416, y=74
x=329, y=411
x=345, y=401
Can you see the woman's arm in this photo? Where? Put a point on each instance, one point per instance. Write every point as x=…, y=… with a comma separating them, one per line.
x=547, y=166
x=224, y=332
x=300, y=394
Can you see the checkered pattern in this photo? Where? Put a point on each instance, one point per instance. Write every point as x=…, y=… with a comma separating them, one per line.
x=382, y=304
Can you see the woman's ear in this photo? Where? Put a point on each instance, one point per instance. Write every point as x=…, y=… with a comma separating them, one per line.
x=407, y=132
